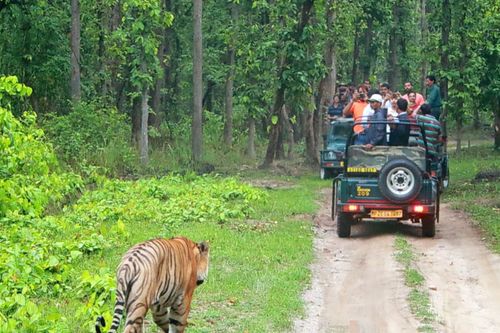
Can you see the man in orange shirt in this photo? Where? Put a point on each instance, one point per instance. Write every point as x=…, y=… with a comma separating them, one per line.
x=355, y=109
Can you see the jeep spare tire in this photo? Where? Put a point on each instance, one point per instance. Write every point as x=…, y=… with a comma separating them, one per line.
x=400, y=180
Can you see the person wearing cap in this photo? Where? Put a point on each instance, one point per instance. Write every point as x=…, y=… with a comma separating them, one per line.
x=376, y=133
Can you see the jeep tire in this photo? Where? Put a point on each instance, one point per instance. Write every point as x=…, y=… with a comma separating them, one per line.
x=429, y=226
x=400, y=180
x=344, y=222
x=325, y=173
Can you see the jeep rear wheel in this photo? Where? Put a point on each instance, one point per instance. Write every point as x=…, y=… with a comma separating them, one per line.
x=400, y=180
x=429, y=226
x=344, y=222
x=325, y=173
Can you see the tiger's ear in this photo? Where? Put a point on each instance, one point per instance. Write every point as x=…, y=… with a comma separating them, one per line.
x=203, y=246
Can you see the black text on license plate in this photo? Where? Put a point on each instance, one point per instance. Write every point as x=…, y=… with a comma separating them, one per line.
x=386, y=213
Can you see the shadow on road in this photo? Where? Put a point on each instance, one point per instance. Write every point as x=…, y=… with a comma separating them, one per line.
x=371, y=229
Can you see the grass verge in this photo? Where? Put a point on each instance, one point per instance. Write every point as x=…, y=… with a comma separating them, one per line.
x=259, y=265
x=478, y=197
x=418, y=297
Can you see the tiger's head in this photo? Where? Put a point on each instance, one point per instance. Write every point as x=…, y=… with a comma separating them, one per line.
x=202, y=258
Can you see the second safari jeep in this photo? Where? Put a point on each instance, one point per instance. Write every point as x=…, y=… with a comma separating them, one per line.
x=332, y=155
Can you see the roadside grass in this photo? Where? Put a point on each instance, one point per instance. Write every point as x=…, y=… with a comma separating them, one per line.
x=479, y=198
x=418, y=297
x=258, y=269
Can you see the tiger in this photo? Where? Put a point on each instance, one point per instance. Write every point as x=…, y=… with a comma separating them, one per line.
x=160, y=275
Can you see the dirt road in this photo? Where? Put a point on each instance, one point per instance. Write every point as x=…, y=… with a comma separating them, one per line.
x=358, y=286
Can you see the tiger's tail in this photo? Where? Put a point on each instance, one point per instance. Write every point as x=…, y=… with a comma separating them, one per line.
x=100, y=322
x=117, y=316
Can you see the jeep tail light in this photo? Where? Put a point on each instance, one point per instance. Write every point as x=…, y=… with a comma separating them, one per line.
x=419, y=209
x=352, y=208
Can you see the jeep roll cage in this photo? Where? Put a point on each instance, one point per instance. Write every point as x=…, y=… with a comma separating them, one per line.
x=351, y=136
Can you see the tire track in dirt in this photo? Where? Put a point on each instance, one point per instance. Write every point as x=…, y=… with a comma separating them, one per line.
x=357, y=286
x=462, y=274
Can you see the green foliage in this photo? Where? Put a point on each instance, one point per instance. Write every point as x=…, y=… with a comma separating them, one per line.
x=43, y=257
x=30, y=178
x=35, y=48
x=478, y=197
x=92, y=135
x=10, y=87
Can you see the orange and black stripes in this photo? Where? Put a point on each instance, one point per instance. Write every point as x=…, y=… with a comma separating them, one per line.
x=158, y=275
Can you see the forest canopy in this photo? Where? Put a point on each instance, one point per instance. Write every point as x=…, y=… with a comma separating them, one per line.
x=267, y=68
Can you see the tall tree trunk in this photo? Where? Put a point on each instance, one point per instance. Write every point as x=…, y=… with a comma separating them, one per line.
x=477, y=117
x=136, y=115
x=272, y=146
x=157, y=116
x=327, y=84
x=103, y=19
x=318, y=128
x=76, y=92
x=196, y=129
x=495, y=103
x=424, y=28
x=355, y=56
x=251, y=138
x=462, y=79
x=445, y=63
x=394, y=45
x=311, y=152
x=305, y=16
x=208, y=97
x=288, y=129
x=113, y=66
x=368, y=55
x=459, y=125
x=143, y=138
x=228, y=119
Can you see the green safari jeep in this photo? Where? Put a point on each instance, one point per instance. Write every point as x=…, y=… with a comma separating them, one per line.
x=332, y=155
x=386, y=183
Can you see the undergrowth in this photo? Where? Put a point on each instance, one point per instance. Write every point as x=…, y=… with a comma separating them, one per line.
x=477, y=195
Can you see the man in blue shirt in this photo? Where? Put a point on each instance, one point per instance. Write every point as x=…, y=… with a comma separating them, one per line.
x=376, y=133
x=400, y=133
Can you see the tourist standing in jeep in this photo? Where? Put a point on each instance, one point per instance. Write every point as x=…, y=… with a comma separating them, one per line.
x=432, y=128
x=433, y=96
x=376, y=133
x=400, y=132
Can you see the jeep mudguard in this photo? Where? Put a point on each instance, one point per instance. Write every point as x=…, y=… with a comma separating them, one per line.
x=400, y=180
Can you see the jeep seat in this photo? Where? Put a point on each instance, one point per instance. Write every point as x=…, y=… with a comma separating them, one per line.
x=359, y=157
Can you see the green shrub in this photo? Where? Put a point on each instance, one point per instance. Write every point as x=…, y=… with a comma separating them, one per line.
x=30, y=177
x=92, y=135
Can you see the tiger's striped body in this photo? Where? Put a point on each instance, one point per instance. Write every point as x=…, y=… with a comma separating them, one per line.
x=160, y=275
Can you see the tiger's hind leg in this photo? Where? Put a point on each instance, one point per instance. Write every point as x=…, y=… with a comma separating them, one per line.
x=135, y=319
x=160, y=317
x=179, y=313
